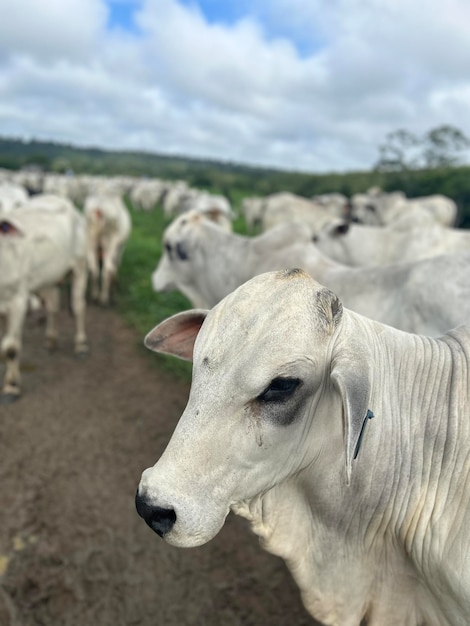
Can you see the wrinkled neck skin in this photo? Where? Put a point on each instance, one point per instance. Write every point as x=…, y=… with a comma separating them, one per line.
x=390, y=547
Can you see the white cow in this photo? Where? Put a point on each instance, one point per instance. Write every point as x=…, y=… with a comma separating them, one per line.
x=12, y=196
x=372, y=516
x=359, y=244
x=284, y=207
x=176, y=193
x=108, y=228
x=206, y=263
x=335, y=203
x=145, y=194
x=380, y=209
x=40, y=243
x=252, y=209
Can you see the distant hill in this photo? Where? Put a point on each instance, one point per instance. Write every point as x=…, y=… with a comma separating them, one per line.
x=51, y=156
x=232, y=179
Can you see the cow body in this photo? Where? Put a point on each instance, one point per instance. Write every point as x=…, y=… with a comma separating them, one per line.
x=40, y=244
x=108, y=229
x=372, y=516
x=377, y=208
x=358, y=244
x=282, y=207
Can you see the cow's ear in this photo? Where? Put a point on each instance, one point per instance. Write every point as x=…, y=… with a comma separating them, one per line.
x=177, y=334
x=351, y=375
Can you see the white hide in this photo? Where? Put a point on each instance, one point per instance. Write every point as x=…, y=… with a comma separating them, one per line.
x=108, y=228
x=12, y=196
x=284, y=207
x=381, y=535
x=252, y=208
x=40, y=243
x=145, y=194
x=382, y=209
x=359, y=244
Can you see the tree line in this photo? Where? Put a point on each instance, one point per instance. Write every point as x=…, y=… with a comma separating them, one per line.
x=408, y=174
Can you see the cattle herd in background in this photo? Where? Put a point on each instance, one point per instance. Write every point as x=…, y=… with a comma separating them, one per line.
x=375, y=250
x=278, y=343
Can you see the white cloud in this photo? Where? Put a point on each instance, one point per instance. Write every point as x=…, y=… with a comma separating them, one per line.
x=48, y=29
x=240, y=91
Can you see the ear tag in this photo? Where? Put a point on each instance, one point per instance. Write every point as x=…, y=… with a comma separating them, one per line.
x=369, y=416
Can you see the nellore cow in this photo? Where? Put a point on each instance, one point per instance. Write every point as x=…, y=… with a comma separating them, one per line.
x=41, y=242
x=343, y=441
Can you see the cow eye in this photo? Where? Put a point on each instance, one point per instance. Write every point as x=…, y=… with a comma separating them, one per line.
x=279, y=389
x=181, y=252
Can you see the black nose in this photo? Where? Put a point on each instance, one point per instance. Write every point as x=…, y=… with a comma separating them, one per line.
x=160, y=520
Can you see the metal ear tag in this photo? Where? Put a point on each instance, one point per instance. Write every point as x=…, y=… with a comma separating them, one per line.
x=369, y=416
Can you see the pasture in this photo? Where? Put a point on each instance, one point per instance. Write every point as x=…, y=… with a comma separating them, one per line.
x=73, y=550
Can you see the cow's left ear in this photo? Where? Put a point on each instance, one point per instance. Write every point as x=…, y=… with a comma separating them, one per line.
x=351, y=375
x=177, y=334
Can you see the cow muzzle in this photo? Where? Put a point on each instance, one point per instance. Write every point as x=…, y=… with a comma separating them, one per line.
x=159, y=519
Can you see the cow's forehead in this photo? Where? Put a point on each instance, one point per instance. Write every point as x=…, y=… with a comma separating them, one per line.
x=269, y=312
x=177, y=225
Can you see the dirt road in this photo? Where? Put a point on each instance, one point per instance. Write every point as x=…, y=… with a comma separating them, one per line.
x=73, y=551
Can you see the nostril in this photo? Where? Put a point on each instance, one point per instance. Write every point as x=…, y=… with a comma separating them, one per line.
x=159, y=519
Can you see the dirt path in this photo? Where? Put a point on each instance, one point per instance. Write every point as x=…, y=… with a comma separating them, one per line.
x=73, y=551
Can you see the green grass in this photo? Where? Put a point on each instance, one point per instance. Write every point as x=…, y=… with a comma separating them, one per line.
x=142, y=307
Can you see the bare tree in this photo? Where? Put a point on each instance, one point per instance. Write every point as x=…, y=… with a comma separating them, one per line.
x=439, y=147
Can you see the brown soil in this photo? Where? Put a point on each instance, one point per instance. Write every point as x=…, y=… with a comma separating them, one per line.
x=73, y=551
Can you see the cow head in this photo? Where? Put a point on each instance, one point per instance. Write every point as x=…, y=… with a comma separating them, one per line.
x=276, y=390
x=185, y=256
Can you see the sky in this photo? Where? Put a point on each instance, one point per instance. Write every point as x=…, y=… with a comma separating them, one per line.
x=305, y=85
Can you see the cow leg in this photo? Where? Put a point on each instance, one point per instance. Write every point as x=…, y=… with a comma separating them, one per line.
x=111, y=253
x=94, y=269
x=79, y=286
x=10, y=348
x=51, y=299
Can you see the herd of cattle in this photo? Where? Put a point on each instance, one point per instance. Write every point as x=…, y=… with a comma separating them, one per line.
x=297, y=339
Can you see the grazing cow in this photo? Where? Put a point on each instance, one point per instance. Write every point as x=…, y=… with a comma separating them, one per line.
x=359, y=244
x=206, y=263
x=372, y=516
x=40, y=243
x=108, y=229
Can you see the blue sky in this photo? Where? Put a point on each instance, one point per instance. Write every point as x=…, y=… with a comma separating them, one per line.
x=314, y=86
x=121, y=15
x=228, y=13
